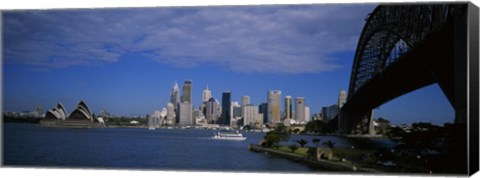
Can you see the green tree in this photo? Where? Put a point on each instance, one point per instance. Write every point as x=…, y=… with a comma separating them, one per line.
x=382, y=120
x=293, y=147
x=296, y=131
x=302, y=142
x=395, y=134
x=281, y=128
x=274, y=137
x=447, y=143
x=422, y=136
x=329, y=144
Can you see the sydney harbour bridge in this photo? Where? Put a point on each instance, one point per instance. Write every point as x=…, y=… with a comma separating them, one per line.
x=403, y=48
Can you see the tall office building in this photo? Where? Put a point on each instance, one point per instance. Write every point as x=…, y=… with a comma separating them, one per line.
x=307, y=114
x=187, y=91
x=170, y=120
x=212, y=111
x=202, y=107
x=342, y=98
x=300, y=109
x=250, y=115
x=236, y=110
x=206, y=94
x=237, y=113
x=288, y=107
x=260, y=120
x=263, y=109
x=186, y=112
x=226, y=108
x=274, y=106
x=175, y=96
x=329, y=112
x=245, y=100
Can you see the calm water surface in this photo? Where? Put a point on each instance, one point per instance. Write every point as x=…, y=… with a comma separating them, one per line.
x=136, y=148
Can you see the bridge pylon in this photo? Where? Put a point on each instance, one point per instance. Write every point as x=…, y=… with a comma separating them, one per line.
x=363, y=126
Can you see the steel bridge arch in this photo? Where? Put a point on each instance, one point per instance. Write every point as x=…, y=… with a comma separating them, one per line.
x=403, y=48
x=388, y=25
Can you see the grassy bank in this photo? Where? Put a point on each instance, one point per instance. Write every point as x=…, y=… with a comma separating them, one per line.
x=302, y=151
x=353, y=157
x=339, y=153
x=301, y=155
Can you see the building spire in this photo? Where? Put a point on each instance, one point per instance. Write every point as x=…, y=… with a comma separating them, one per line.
x=206, y=94
x=175, y=86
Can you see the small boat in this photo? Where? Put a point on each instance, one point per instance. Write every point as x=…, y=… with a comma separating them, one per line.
x=186, y=127
x=229, y=136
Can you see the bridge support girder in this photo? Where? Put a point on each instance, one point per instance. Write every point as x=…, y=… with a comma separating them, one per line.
x=364, y=123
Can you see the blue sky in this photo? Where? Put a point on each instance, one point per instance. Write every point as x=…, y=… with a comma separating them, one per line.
x=125, y=61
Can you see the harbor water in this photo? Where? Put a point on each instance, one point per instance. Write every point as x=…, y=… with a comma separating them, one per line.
x=30, y=145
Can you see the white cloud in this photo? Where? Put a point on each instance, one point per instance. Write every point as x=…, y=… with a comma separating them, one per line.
x=273, y=39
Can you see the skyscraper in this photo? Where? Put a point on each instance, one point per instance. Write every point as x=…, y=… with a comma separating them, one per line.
x=187, y=91
x=186, y=112
x=329, y=112
x=250, y=115
x=288, y=107
x=175, y=96
x=307, y=114
x=260, y=119
x=206, y=94
x=203, y=108
x=342, y=98
x=170, y=114
x=245, y=100
x=236, y=110
x=226, y=108
x=300, y=109
x=274, y=106
x=212, y=111
x=263, y=109
x=237, y=113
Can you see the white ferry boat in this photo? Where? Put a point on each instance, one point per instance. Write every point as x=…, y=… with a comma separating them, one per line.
x=228, y=136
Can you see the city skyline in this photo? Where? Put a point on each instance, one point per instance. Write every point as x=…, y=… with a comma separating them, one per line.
x=128, y=68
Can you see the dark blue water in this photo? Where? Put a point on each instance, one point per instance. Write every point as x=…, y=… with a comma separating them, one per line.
x=135, y=148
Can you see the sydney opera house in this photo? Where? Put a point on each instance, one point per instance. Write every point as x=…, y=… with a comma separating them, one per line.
x=81, y=117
